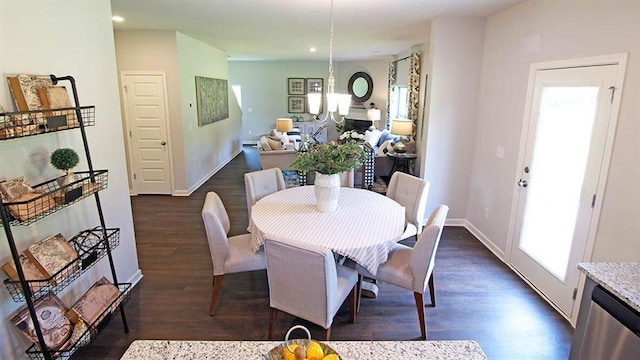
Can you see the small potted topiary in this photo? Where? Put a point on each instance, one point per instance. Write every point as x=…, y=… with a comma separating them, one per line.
x=64, y=159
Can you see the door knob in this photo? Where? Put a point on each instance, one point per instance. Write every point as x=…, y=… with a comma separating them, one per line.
x=163, y=143
x=523, y=183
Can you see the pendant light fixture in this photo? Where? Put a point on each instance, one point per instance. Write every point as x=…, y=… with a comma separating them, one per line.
x=335, y=102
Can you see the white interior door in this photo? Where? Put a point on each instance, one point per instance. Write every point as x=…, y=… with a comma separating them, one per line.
x=146, y=115
x=565, y=145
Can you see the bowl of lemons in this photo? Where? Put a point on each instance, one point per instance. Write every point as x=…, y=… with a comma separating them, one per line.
x=302, y=349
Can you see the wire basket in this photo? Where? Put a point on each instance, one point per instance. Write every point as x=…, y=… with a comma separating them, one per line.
x=34, y=352
x=27, y=123
x=51, y=196
x=90, y=248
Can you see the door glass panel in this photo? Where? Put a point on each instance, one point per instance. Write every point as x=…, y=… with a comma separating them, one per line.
x=558, y=163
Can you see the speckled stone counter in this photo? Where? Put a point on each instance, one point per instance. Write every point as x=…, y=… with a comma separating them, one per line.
x=371, y=350
x=621, y=279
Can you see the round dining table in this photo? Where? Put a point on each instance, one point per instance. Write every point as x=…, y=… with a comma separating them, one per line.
x=364, y=228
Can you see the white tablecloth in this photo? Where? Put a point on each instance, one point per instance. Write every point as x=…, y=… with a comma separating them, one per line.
x=364, y=228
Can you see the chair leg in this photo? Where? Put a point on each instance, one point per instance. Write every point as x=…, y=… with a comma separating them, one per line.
x=353, y=304
x=273, y=316
x=358, y=292
x=215, y=293
x=420, y=307
x=432, y=292
x=326, y=334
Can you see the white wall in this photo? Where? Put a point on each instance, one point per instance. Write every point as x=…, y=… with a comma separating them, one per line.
x=546, y=30
x=147, y=50
x=264, y=88
x=198, y=152
x=66, y=37
x=454, y=59
x=208, y=148
x=264, y=91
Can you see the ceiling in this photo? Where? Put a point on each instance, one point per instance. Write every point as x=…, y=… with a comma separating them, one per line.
x=286, y=29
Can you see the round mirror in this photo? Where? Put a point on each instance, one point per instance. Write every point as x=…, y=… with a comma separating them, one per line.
x=360, y=86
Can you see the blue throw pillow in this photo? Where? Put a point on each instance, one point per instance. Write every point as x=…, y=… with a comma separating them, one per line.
x=383, y=136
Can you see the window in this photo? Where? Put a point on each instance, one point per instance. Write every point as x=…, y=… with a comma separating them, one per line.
x=398, y=108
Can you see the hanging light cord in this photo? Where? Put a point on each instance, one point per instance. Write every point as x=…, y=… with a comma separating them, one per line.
x=331, y=80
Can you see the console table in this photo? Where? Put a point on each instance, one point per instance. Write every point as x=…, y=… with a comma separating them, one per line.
x=373, y=350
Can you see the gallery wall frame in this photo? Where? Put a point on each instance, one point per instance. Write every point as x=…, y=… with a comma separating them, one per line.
x=296, y=86
x=212, y=96
x=296, y=104
x=314, y=85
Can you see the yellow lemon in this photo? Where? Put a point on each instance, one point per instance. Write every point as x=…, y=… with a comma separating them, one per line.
x=288, y=355
x=314, y=352
x=331, y=357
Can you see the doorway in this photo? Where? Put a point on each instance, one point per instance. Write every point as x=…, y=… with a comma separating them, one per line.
x=147, y=124
x=567, y=138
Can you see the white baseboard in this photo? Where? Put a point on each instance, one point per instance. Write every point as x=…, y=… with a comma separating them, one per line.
x=206, y=177
x=485, y=241
x=135, y=278
x=501, y=255
x=478, y=235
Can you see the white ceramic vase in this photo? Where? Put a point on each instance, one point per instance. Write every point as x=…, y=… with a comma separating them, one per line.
x=327, y=190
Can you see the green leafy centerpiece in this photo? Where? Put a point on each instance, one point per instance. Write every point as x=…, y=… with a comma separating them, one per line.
x=328, y=161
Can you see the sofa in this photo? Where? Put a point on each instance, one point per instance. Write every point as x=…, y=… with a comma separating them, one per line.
x=272, y=154
x=382, y=142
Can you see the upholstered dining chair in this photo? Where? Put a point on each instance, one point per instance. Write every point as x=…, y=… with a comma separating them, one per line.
x=305, y=281
x=411, y=192
x=412, y=268
x=347, y=178
x=258, y=184
x=228, y=254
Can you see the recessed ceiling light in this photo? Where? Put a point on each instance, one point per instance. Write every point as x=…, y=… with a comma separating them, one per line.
x=117, y=18
x=312, y=49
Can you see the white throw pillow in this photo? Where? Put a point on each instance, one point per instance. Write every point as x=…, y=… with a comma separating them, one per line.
x=264, y=144
x=372, y=136
x=383, y=149
x=390, y=146
x=274, y=144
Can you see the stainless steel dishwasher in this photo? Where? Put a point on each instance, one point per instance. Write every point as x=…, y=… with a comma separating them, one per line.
x=612, y=330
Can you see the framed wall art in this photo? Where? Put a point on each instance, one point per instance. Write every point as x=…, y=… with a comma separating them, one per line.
x=212, y=97
x=296, y=86
x=314, y=86
x=297, y=104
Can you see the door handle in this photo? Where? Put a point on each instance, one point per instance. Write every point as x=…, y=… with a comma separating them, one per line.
x=163, y=143
x=523, y=183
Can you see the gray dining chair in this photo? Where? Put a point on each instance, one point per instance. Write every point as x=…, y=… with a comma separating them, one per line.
x=228, y=254
x=347, y=178
x=411, y=192
x=258, y=184
x=412, y=268
x=305, y=281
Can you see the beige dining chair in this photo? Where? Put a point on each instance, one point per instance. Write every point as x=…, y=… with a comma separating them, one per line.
x=305, y=281
x=412, y=268
x=258, y=184
x=411, y=192
x=347, y=178
x=228, y=254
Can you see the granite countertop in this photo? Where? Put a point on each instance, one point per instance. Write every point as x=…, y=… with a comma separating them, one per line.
x=620, y=279
x=372, y=350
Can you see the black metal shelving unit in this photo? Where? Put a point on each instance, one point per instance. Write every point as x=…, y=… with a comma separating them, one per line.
x=55, y=197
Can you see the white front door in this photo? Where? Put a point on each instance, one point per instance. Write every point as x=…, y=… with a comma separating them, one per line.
x=147, y=123
x=568, y=126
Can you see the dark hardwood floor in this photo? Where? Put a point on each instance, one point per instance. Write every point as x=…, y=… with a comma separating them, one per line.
x=478, y=297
